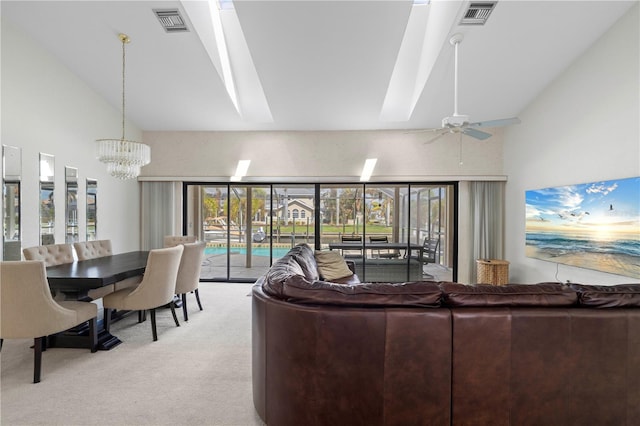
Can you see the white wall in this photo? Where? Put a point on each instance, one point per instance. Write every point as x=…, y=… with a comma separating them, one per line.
x=582, y=128
x=45, y=108
x=317, y=155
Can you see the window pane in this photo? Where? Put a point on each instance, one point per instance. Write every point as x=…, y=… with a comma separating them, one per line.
x=293, y=213
x=212, y=205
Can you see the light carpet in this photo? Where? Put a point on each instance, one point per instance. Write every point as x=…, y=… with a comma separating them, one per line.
x=195, y=374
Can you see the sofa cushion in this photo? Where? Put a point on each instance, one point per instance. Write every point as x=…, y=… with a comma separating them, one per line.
x=605, y=296
x=542, y=294
x=280, y=271
x=331, y=265
x=303, y=254
x=297, y=289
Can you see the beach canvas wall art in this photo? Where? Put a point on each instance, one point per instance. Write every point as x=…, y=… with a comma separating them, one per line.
x=592, y=225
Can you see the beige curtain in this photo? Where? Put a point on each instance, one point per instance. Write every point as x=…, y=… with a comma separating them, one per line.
x=159, y=205
x=485, y=225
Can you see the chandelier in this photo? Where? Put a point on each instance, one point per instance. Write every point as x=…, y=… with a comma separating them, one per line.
x=123, y=157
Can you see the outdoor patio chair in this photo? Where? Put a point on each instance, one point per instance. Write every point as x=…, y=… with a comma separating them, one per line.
x=351, y=253
x=383, y=253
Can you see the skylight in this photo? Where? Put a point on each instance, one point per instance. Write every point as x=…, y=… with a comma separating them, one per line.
x=427, y=30
x=227, y=76
x=226, y=4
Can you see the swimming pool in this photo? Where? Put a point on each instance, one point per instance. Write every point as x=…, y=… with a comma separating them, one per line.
x=255, y=251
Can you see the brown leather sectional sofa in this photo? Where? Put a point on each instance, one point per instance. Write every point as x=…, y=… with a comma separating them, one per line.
x=440, y=353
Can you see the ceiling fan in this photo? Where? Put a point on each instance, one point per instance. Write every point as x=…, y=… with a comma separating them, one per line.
x=458, y=123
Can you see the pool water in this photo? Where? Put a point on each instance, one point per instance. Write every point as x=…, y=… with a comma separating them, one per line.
x=256, y=251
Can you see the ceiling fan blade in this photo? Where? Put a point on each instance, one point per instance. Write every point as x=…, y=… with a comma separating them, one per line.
x=435, y=129
x=435, y=138
x=477, y=134
x=496, y=123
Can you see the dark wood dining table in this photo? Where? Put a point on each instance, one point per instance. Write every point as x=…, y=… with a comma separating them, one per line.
x=75, y=279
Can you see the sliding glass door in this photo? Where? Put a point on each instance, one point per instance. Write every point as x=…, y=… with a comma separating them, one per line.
x=391, y=232
x=247, y=226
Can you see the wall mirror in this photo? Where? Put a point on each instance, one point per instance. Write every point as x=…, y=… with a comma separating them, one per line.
x=92, y=204
x=71, y=207
x=47, y=207
x=11, y=177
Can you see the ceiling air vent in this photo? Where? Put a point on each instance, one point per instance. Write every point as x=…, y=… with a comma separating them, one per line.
x=478, y=13
x=171, y=20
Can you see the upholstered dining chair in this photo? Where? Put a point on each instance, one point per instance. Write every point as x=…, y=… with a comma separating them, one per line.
x=27, y=310
x=189, y=274
x=93, y=249
x=59, y=254
x=156, y=289
x=174, y=240
x=51, y=254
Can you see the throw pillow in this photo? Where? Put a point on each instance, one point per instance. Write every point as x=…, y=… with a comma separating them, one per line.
x=331, y=265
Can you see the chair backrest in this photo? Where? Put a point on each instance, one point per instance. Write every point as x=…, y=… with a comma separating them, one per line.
x=430, y=249
x=190, y=266
x=159, y=282
x=27, y=309
x=352, y=238
x=378, y=239
x=93, y=249
x=174, y=240
x=52, y=254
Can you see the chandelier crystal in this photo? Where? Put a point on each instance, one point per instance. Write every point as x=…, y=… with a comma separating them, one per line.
x=123, y=157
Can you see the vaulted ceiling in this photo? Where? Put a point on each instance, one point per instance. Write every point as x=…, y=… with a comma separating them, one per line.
x=314, y=65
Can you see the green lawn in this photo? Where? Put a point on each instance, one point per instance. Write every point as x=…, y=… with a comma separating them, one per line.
x=335, y=229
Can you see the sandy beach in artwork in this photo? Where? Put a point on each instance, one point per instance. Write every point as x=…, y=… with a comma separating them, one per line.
x=619, y=264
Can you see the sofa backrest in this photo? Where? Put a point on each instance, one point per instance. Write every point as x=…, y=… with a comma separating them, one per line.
x=295, y=278
x=608, y=296
x=511, y=295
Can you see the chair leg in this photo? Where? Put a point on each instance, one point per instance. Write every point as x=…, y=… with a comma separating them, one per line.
x=153, y=324
x=107, y=319
x=93, y=334
x=184, y=307
x=37, y=358
x=1, y=340
x=140, y=316
x=172, y=305
x=198, y=298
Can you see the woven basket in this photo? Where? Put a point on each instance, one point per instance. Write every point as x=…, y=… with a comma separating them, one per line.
x=493, y=271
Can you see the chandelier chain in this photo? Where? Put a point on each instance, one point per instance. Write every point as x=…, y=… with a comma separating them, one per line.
x=124, y=41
